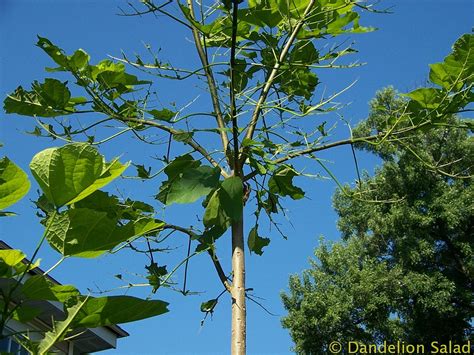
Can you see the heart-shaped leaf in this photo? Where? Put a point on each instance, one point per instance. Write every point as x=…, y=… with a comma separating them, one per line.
x=72, y=172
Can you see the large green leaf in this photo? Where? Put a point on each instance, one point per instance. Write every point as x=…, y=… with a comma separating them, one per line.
x=14, y=183
x=11, y=263
x=60, y=329
x=39, y=288
x=187, y=181
x=281, y=183
x=72, y=172
x=25, y=314
x=88, y=233
x=112, y=310
x=457, y=68
x=429, y=98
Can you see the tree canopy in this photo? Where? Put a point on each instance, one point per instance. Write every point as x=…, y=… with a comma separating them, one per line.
x=405, y=268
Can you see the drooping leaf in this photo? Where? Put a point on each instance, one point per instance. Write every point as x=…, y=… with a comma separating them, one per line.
x=281, y=183
x=72, y=172
x=224, y=205
x=231, y=197
x=255, y=242
x=214, y=214
x=155, y=273
x=187, y=181
x=14, y=183
x=104, y=311
x=208, y=306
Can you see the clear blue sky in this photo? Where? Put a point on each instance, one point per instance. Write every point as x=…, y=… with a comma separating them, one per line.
x=418, y=33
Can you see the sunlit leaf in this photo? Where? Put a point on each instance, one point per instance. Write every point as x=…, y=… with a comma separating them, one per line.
x=87, y=233
x=104, y=311
x=14, y=183
x=38, y=288
x=72, y=172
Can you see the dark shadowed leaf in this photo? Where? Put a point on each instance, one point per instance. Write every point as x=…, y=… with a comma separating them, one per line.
x=187, y=181
x=208, y=306
x=281, y=183
x=255, y=242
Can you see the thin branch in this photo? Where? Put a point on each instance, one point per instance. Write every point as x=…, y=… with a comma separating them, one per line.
x=186, y=266
x=211, y=252
x=233, y=109
x=210, y=80
x=366, y=139
x=190, y=142
x=273, y=73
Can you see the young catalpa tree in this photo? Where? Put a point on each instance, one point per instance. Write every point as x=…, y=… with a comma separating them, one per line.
x=259, y=61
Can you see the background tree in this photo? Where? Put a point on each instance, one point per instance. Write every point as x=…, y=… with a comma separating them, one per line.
x=405, y=269
x=258, y=61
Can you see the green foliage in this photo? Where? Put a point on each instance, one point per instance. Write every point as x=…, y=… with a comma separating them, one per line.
x=38, y=288
x=255, y=242
x=224, y=205
x=273, y=50
x=103, y=311
x=428, y=106
x=208, y=306
x=404, y=269
x=188, y=180
x=11, y=263
x=50, y=99
x=59, y=331
x=281, y=183
x=70, y=173
x=88, y=233
x=14, y=183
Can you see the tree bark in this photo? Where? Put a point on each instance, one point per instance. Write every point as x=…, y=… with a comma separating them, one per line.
x=239, y=311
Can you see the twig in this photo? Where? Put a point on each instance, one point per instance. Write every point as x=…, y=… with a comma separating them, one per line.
x=210, y=80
